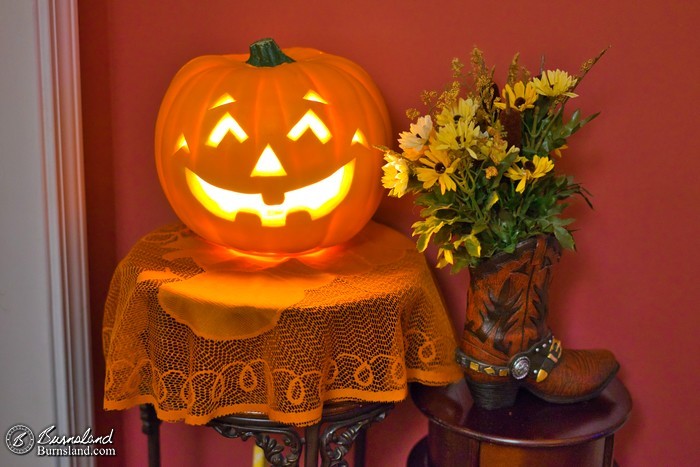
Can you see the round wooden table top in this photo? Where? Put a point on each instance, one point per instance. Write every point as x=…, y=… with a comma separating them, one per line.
x=531, y=422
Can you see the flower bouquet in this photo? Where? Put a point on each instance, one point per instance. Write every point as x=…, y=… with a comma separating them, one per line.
x=483, y=166
x=482, y=163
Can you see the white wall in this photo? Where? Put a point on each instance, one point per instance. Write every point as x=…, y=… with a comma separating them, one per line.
x=25, y=337
x=43, y=381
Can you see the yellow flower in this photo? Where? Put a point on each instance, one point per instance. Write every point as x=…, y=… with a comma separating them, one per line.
x=445, y=257
x=518, y=97
x=412, y=154
x=463, y=111
x=491, y=172
x=395, y=175
x=531, y=170
x=495, y=149
x=439, y=169
x=555, y=83
x=413, y=142
x=457, y=136
x=558, y=150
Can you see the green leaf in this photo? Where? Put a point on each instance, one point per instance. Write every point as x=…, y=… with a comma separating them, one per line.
x=575, y=124
x=442, y=236
x=422, y=242
x=575, y=117
x=560, y=222
x=493, y=199
x=419, y=227
x=460, y=263
x=564, y=237
x=473, y=246
x=478, y=228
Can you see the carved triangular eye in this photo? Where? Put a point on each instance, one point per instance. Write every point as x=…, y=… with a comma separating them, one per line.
x=226, y=124
x=223, y=100
x=182, y=144
x=359, y=137
x=310, y=121
x=314, y=97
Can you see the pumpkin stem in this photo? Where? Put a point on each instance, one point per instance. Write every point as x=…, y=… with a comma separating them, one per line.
x=266, y=52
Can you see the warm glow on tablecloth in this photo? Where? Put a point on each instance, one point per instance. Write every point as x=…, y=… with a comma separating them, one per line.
x=200, y=331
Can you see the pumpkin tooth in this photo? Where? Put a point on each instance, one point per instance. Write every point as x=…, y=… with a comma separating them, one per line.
x=273, y=198
x=299, y=218
x=249, y=219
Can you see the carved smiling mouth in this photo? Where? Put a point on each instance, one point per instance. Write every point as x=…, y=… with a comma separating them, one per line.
x=317, y=199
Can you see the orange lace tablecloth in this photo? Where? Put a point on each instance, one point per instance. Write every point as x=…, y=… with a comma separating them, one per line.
x=201, y=332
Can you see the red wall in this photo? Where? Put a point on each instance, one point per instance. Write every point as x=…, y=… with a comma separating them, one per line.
x=631, y=285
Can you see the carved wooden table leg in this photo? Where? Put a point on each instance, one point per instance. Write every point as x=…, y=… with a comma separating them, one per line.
x=360, y=448
x=341, y=431
x=150, y=426
x=342, y=424
x=311, y=448
x=264, y=432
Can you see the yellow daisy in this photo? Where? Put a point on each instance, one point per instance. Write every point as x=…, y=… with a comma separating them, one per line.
x=395, y=176
x=530, y=170
x=518, y=97
x=457, y=136
x=464, y=110
x=555, y=83
x=438, y=169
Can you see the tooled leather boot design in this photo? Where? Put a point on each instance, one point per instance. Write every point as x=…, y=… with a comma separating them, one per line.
x=507, y=344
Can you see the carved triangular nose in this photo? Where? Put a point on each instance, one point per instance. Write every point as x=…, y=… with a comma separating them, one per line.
x=268, y=165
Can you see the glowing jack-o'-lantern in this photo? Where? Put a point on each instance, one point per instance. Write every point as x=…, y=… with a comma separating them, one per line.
x=272, y=154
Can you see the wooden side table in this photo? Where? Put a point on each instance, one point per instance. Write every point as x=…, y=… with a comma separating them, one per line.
x=531, y=433
x=342, y=425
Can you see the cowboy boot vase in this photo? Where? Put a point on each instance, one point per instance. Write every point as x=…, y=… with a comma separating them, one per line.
x=507, y=345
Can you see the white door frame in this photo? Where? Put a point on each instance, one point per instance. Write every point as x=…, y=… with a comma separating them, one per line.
x=42, y=153
x=65, y=202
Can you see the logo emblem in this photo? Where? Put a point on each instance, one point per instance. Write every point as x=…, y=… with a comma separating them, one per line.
x=20, y=439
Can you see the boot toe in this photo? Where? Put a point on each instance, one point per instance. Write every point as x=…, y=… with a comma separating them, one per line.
x=580, y=375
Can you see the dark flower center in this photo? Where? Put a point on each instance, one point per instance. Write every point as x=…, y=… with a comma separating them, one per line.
x=440, y=168
x=456, y=118
x=529, y=165
x=419, y=136
x=519, y=101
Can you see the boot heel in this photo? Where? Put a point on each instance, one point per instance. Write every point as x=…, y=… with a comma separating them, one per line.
x=491, y=396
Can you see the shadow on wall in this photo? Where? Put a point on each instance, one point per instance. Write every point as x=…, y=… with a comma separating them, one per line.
x=98, y=159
